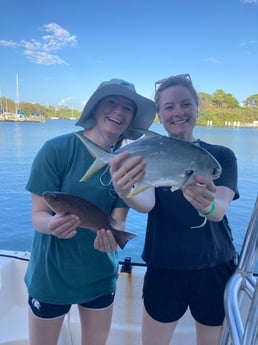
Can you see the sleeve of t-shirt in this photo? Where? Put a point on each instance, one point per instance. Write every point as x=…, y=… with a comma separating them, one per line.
x=229, y=176
x=46, y=170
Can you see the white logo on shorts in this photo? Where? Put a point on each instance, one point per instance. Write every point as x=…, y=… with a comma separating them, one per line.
x=36, y=303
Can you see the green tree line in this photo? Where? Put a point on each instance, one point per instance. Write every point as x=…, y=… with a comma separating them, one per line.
x=221, y=107
x=218, y=108
x=28, y=109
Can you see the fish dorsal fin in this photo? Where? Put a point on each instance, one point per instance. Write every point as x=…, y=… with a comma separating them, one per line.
x=149, y=134
x=146, y=133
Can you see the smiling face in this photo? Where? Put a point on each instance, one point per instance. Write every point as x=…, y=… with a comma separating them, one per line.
x=178, y=111
x=114, y=114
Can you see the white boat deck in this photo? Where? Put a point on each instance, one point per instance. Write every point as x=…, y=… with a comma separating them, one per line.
x=126, y=324
x=241, y=303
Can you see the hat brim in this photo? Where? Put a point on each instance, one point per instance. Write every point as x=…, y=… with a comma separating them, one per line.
x=143, y=118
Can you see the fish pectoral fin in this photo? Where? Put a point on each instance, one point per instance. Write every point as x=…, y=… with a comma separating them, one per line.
x=122, y=237
x=138, y=188
x=187, y=179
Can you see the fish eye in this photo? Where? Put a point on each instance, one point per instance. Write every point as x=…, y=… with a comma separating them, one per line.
x=189, y=172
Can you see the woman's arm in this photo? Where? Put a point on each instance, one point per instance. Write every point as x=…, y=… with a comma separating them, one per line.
x=210, y=200
x=59, y=225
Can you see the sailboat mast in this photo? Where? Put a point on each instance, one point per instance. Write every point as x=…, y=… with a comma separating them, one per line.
x=17, y=95
x=1, y=102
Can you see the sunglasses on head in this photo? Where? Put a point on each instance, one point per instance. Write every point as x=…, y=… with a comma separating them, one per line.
x=179, y=76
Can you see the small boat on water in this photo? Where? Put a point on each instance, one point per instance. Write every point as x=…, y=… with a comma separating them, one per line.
x=9, y=117
x=241, y=302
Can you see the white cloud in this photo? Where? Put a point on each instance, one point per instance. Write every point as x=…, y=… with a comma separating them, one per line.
x=212, y=59
x=9, y=44
x=248, y=43
x=249, y=1
x=59, y=38
x=39, y=51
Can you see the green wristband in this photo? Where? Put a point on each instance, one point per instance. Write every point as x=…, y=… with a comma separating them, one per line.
x=211, y=211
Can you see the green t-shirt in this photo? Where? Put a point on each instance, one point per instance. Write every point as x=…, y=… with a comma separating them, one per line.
x=70, y=271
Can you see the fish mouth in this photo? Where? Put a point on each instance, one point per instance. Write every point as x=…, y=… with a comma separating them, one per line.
x=216, y=172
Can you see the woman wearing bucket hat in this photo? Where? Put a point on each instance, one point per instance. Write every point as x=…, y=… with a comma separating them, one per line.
x=69, y=265
x=144, y=110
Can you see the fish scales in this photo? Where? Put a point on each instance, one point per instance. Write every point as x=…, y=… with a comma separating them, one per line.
x=170, y=161
x=91, y=217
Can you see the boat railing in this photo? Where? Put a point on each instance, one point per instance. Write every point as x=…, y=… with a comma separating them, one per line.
x=241, y=295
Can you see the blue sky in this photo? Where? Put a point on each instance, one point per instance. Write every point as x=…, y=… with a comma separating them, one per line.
x=63, y=49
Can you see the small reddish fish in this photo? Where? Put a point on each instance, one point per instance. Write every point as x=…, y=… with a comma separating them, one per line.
x=92, y=217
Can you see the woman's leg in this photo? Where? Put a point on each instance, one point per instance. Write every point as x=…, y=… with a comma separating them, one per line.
x=207, y=335
x=95, y=325
x=44, y=331
x=155, y=332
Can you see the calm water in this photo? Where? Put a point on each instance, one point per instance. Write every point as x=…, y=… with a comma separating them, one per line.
x=19, y=142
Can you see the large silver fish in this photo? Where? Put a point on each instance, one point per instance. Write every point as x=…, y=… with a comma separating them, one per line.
x=170, y=161
x=92, y=217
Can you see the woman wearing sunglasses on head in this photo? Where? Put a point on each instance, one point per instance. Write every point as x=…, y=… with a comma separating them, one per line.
x=186, y=267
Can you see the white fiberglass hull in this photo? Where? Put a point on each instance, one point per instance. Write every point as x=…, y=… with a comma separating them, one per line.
x=126, y=323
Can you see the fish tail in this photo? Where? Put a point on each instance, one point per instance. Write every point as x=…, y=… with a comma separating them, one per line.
x=122, y=237
x=102, y=157
x=95, y=166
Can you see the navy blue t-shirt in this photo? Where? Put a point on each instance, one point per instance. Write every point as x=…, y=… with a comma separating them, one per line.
x=172, y=243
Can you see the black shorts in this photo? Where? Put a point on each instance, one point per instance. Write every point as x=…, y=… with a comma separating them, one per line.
x=168, y=293
x=52, y=311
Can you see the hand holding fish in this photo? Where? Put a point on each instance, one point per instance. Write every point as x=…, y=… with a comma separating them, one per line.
x=201, y=193
x=64, y=225
x=126, y=173
x=105, y=241
x=209, y=200
x=90, y=217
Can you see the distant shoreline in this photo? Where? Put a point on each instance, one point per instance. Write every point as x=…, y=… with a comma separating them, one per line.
x=42, y=119
x=235, y=124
